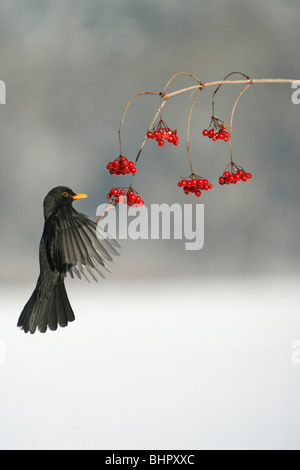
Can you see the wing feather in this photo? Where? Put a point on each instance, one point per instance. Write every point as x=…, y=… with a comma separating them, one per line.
x=75, y=245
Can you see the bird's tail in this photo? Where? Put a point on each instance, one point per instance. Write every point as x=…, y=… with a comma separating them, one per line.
x=46, y=310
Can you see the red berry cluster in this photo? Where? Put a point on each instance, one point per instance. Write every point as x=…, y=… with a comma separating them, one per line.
x=121, y=166
x=194, y=184
x=235, y=174
x=161, y=133
x=130, y=197
x=216, y=130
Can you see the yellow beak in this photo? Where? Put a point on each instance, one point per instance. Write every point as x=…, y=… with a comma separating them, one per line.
x=79, y=196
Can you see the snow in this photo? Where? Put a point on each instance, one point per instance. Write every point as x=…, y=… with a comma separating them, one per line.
x=155, y=365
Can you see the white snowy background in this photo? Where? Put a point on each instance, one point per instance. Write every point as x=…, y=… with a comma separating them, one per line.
x=174, y=349
x=152, y=365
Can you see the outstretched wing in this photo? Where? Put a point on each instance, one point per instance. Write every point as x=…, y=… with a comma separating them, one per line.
x=76, y=245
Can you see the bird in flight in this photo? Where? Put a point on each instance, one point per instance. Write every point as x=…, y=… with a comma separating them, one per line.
x=71, y=244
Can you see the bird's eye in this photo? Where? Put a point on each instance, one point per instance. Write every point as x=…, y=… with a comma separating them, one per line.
x=65, y=194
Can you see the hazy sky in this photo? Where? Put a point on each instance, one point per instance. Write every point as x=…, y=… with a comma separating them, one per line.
x=153, y=360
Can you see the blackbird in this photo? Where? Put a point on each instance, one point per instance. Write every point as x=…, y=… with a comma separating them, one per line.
x=71, y=243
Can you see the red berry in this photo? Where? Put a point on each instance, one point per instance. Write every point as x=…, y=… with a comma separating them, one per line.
x=197, y=193
x=221, y=135
x=133, y=171
x=131, y=197
x=210, y=133
x=221, y=180
x=194, y=182
x=123, y=159
x=249, y=175
x=114, y=192
x=149, y=135
x=205, y=133
x=244, y=177
x=161, y=143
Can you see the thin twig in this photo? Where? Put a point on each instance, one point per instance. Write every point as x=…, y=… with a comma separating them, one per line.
x=217, y=89
x=182, y=73
x=188, y=129
x=232, y=114
x=163, y=93
x=232, y=82
x=126, y=109
x=109, y=206
x=162, y=104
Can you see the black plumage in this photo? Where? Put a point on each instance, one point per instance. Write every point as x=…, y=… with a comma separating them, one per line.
x=71, y=243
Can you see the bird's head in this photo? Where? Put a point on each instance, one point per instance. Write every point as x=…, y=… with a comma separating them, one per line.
x=59, y=197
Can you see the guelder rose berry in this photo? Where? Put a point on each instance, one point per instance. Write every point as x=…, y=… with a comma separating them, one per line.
x=216, y=130
x=129, y=197
x=162, y=133
x=121, y=166
x=233, y=174
x=194, y=184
